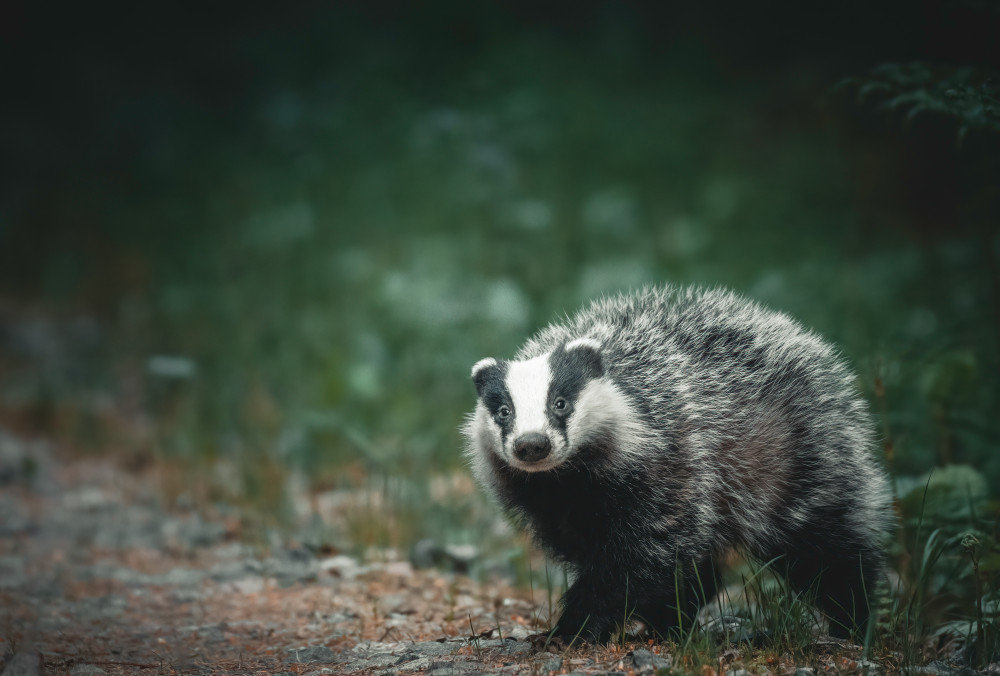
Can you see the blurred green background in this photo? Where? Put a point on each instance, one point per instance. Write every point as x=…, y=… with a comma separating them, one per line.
x=260, y=247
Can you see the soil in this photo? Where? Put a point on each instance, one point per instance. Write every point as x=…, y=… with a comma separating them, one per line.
x=98, y=577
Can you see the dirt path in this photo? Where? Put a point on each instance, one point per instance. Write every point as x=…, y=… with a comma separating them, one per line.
x=96, y=577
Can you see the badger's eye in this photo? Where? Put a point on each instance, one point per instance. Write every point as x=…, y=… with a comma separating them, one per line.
x=503, y=412
x=560, y=405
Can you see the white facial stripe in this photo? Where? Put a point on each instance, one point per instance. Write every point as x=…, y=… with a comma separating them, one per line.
x=528, y=385
x=601, y=407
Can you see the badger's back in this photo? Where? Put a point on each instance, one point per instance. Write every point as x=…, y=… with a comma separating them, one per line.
x=759, y=413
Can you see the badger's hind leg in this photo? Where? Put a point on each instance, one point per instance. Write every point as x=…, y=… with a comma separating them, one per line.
x=841, y=570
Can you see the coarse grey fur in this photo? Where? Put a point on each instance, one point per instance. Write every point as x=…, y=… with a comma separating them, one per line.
x=650, y=432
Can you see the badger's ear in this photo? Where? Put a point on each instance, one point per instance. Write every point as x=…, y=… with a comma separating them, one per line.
x=483, y=371
x=585, y=353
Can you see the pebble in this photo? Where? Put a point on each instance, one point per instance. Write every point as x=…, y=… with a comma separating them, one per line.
x=231, y=571
x=378, y=661
x=434, y=648
x=414, y=665
x=645, y=660
x=86, y=670
x=12, y=572
x=313, y=653
x=454, y=669
x=21, y=664
x=14, y=517
x=548, y=662
x=14, y=459
x=938, y=668
x=426, y=554
x=343, y=566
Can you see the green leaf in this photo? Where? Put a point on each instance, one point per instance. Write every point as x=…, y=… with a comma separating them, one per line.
x=951, y=492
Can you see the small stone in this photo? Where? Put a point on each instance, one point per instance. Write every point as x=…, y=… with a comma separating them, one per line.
x=182, y=577
x=517, y=632
x=426, y=554
x=461, y=556
x=232, y=571
x=14, y=459
x=313, y=653
x=288, y=571
x=938, y=668
x=804, y=671
x=645, y=660
x=12, y=574
x=729, y=628
x=399, y=569
x=192, y=532
x=737, y=672
x=373, y=662
x=86, y=670
x=185, y=595
x=89, y=499
x=342, y=566
x=867, y=667
x=453, y=669
x=517, y=648
x=374, y=647
x=336, y=618
x=548, y=662
x=373, y=655
x=22, y=664
x=14, y=516
x=433, y=648
x=414, y=664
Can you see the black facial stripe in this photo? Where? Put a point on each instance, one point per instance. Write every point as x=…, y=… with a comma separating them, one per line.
x=571, y=371
x=491, y=386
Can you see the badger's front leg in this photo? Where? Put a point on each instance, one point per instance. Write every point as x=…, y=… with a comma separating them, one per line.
x=594, y=606
x=609, y=594
x=606, y=593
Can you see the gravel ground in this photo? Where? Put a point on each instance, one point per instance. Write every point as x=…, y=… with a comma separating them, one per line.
x=97, y=578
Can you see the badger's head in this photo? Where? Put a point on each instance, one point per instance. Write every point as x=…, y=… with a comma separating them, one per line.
x=539, y=413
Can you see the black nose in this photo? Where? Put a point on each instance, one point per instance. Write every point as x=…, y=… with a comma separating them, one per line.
x=532, y=447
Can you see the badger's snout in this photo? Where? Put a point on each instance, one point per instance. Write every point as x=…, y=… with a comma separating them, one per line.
x=532, y=447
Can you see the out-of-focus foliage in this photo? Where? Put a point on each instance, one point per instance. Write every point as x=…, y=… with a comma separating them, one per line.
x=967, y=96
x=948, y=554
x=284, y=257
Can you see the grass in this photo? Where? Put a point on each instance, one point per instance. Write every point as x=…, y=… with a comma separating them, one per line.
x=941, y=600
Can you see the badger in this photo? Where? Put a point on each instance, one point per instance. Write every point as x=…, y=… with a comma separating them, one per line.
x=650, y=433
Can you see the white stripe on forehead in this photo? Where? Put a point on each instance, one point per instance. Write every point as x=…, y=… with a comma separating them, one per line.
x=528, y=385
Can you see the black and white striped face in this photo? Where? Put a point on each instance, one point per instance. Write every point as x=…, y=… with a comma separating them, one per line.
x=535, y=414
